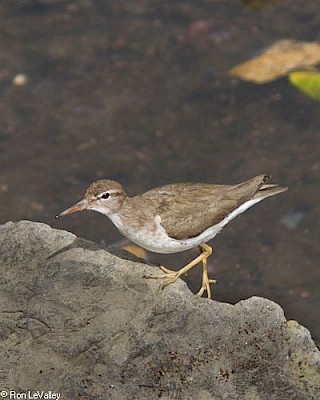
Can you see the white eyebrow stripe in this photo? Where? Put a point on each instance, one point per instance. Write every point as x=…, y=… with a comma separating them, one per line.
x=111, y=191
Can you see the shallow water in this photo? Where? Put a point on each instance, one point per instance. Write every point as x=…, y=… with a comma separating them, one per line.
x=136, y=92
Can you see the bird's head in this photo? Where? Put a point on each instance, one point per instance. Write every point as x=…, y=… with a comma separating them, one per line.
x=104, y=196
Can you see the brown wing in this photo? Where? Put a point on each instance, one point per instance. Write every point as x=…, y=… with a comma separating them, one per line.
x=188, y=209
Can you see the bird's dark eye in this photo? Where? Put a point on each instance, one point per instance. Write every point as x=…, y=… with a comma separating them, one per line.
x=105, y=195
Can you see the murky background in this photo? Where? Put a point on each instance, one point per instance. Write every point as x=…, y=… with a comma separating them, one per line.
x=137, y=92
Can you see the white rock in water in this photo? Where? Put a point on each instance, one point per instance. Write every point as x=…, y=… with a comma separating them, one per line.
x=20, y=80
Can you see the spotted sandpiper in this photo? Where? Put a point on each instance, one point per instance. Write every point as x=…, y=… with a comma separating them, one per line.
x=175, y=217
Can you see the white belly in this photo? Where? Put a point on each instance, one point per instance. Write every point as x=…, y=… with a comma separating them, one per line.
x=159, y=242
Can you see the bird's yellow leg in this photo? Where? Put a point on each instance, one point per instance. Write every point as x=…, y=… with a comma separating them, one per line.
x=173, y=276
x=205, y=279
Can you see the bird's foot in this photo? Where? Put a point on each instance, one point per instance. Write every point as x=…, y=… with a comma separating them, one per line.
x=206, y=287
x=173, y=276
x=167, y=270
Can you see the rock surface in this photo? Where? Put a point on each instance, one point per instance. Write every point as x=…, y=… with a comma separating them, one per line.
x=80, y=321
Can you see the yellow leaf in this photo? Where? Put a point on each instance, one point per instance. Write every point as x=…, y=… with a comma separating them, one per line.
x=283, y=56
x=307, y=81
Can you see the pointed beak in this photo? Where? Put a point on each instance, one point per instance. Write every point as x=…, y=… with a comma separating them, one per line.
x=80, y=206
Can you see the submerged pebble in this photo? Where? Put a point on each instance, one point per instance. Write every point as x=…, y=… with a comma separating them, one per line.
x=293, y=218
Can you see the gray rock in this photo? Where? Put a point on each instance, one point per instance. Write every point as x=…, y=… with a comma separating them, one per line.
x=82, y=322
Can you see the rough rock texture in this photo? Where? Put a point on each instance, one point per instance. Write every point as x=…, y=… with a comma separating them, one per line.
x=80, y=321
